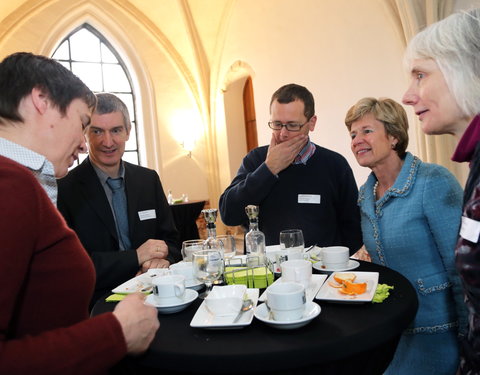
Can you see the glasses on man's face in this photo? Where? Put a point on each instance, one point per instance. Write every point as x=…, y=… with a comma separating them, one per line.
x=290, y=126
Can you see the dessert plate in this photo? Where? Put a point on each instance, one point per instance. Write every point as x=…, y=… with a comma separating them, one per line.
x=312, y=310
x=140, y=283
x=190, y=296
x=352, y=264
x=310, y=292
x=329, y=293
x=203, y=318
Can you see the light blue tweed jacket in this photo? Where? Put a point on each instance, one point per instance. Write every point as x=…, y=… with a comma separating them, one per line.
x=413, y=229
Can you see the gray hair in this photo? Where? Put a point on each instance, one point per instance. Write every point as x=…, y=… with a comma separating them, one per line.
x=109, y=103
x=454, y=44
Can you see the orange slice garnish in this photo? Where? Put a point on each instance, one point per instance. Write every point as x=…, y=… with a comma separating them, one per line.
x=334, y=285
x=341, y=277
x=353, y=288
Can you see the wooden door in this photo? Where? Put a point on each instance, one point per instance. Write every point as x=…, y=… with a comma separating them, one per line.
x=249, y=114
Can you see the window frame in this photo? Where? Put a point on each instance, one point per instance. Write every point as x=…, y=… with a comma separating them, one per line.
x=120, y=62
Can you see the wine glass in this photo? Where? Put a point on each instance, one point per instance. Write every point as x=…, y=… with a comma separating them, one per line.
x=291, y=240
x=208, y=267
x=189, y=247
x=229, y=248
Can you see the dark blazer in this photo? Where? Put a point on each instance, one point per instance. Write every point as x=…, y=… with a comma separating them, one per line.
x=83, y=203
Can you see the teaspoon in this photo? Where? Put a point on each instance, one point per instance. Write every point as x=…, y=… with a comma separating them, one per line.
x=246, y=305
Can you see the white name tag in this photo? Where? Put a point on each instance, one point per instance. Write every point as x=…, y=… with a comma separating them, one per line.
x=309, y=198
x=147, y=214
x=470, y=229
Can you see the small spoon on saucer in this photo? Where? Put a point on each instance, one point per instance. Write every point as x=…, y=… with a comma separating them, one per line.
x=310, y=248
x=246, y=305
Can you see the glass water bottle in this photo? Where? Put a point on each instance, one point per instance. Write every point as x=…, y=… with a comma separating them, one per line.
x=254, y=239
x=211, y=242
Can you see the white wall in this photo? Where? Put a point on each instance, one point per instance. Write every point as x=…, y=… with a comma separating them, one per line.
x=340, y=50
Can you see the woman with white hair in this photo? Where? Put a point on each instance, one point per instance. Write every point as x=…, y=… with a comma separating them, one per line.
x=444, y=61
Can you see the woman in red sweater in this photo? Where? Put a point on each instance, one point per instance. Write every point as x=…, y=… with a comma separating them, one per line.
x=47, y=277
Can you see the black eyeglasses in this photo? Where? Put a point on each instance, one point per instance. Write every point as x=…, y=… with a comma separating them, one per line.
x=290, y=126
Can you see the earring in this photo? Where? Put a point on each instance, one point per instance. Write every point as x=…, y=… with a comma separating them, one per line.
x=393, y=146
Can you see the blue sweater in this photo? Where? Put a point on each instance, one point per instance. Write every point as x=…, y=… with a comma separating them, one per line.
x=334, y=221
x=413, y=230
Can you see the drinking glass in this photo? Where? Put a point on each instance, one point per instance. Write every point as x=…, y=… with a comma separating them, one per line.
x=291, y=240
x=208, y=267
x=189, y=247
x=228, y=241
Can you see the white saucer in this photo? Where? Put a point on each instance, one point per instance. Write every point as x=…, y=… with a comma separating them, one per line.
x=311, y=311
x=194, y=285
x=352, y=264
x=190, y=296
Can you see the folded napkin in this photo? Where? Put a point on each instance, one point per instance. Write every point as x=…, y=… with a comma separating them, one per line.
x=115, y=297
x=258, y=277
x=118, y=296
x=381, y=293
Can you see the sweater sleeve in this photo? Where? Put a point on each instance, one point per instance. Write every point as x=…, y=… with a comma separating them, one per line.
x=68, y=342
x=251, y=185
x=166, y=225
x=349, y=212
x=88, y=347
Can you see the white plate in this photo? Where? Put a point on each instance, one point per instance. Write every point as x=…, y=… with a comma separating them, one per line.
x=205, y=319
x=311, y=311
x=310, y=292
x=330, y=293
x=352, y=264
x=143, y=281
x=190, y=296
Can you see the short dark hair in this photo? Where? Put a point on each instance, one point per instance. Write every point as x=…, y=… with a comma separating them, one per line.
x=291, y=92
x=21, y=72
x=109, y=103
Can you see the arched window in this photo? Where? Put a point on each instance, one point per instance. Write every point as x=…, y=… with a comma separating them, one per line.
x=93, y=59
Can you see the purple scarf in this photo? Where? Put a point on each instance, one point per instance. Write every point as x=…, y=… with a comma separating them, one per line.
x=468, y=142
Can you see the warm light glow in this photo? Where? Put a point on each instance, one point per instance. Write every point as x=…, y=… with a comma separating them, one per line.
x=188, y=144
x=186, y=128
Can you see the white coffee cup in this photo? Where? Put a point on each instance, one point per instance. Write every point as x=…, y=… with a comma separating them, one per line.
x=169, y=290
x=335, y=257
x=185, y=269
x=286, y=300
x=297, y=270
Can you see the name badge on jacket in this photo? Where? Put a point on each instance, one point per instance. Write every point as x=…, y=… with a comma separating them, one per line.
x=309, y=198
x=470, y=229
x=147, y=215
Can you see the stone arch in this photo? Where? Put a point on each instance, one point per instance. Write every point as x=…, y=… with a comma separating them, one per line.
x=231, y=134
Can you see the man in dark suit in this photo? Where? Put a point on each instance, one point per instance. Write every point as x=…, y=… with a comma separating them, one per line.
x=122, y=241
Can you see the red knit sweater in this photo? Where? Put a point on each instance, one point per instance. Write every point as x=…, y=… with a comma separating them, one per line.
x=46, y=282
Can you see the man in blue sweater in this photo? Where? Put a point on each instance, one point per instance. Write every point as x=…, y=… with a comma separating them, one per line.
x=296, y=183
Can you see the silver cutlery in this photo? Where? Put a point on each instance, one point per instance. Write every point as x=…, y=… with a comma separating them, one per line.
x=246, y=305
x=310, y=248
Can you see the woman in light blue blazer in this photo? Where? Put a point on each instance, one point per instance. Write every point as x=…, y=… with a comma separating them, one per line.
x=410, y=214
